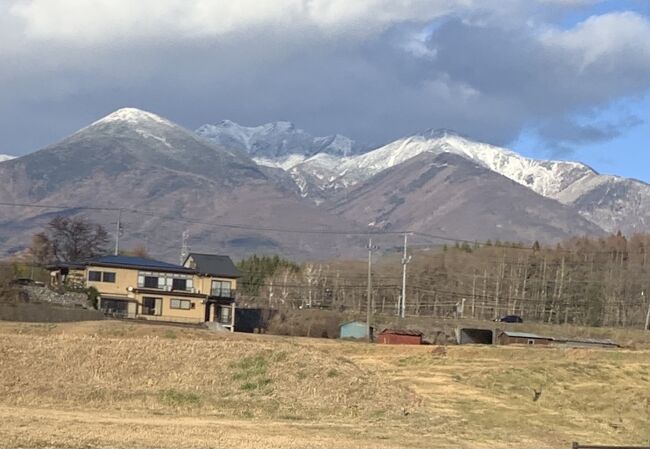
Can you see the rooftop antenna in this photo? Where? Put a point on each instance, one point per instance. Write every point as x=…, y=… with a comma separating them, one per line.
x=185, y=251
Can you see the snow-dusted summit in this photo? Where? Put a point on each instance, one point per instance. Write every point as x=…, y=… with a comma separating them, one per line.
x=277, y=144
x=611, y=202
x=133, y=116
x=548, y=178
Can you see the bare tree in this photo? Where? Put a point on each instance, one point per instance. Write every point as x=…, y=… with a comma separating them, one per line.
x=69, y=239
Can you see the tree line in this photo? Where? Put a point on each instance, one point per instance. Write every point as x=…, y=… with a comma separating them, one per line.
x=600, y=281
x=584, y=281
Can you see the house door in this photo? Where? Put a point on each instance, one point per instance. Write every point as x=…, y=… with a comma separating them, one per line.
x=151, y=306
x=223, y=315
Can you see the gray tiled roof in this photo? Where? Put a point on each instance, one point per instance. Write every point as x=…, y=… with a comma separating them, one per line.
x=525, y=335
x=214, y=265
x=141, y=263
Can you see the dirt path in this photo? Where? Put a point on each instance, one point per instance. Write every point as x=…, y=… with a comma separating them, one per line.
x=45, y=428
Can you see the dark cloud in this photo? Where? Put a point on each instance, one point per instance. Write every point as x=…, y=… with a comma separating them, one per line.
x=532, y=79
x=567, y=135
x=487, y=79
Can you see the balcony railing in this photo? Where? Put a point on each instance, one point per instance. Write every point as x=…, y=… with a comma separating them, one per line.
x=223, y=293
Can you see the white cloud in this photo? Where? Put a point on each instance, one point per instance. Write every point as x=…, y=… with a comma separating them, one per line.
x=605, y=38
x=375, y=69
x=97, y=21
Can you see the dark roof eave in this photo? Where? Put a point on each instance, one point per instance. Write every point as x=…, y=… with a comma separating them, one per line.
x=229, y=276
x=155, y=291
x=142, y=267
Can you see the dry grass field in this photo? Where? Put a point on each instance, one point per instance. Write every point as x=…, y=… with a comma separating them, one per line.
x=115, y=384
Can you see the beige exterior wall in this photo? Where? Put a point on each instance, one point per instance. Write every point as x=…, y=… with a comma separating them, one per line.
x=128, y=277
x=203, y=284
x=124, y=278
x=196, y=314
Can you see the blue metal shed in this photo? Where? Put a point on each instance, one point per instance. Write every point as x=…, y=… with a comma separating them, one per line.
x=354, y=329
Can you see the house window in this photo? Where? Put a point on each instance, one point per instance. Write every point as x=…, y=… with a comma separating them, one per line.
x=221, y=288
x=150, y=282
x=182, y=304
x=95, y=276
x=165, y=281
x=179, y=284
x=108, y=276
x=151, y=306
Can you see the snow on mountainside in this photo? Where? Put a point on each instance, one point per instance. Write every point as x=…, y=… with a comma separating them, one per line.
x=548, y=178
x=609, y=201
x=278, y=144
x=6, y=157
x=142, y=162
x=612, y=202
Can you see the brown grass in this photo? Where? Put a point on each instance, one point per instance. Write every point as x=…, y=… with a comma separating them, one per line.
x=112, y=384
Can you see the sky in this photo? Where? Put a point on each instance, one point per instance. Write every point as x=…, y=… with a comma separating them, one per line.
x=562, y=79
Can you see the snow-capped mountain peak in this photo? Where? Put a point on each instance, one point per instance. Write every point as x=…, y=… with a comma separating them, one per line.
x=323, y=166
x=132, y=116
x=276, y=143
x=548, y=178
x=438, y=133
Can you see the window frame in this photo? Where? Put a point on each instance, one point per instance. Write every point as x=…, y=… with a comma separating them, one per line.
x=114, y=275
x=220, y=291
x=181, y=302
x=94, y=272
x=177, y=280
x=165, y=280
x=151, y=311
x=144, y=282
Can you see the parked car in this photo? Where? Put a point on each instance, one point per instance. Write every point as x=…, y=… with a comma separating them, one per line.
x=510, y=319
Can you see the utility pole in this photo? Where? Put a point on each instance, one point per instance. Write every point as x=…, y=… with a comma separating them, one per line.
x=405, y=260
x=647, y=317
x=118, y=230
x=369, y=302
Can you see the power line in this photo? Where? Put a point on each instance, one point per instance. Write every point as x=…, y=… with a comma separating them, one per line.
x=347, y=232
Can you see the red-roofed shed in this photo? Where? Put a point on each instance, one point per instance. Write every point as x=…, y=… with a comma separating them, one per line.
x=399, y=337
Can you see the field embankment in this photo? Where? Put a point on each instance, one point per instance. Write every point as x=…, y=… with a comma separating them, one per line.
x=114, y=384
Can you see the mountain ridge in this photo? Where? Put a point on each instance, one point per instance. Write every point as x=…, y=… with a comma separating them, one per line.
x=612, y=202
x=140, y=161
x=456, y=197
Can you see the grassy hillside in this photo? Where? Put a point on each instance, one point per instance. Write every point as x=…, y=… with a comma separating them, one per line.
x=112, y=384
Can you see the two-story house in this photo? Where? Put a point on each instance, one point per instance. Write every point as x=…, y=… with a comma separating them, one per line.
x=200, y=290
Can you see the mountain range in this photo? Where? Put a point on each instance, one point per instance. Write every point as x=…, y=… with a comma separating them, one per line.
x=243, y=190
x=613, y=203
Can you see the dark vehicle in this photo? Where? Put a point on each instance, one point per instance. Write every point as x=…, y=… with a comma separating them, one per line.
x=510, y=319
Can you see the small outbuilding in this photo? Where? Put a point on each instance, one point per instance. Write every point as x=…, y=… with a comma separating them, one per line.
x=355, y=329
x=586, y=343
x=523, y=338
x=466, y=336
x=399, y=337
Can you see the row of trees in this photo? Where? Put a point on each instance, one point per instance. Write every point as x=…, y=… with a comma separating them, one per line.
x=593, y=281
x=589, y=281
